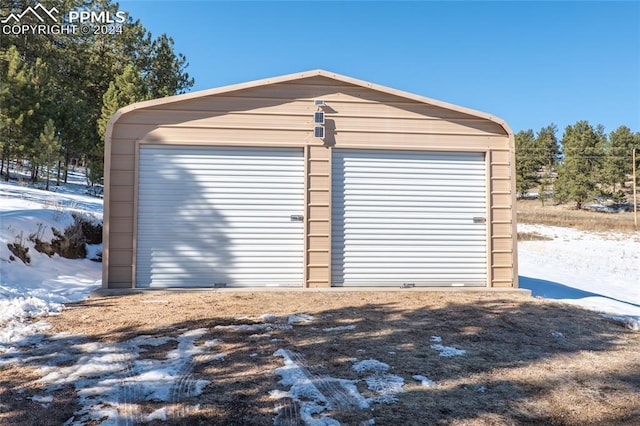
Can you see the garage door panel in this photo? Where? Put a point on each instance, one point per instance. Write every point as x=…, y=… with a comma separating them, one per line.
x=423, y=206
x=219, y=215
x=408, y=217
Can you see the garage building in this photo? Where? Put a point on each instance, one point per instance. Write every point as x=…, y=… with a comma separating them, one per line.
x=307, y=180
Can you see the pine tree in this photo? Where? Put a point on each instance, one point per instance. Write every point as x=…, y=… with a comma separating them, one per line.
x=527, y=162
x=548, y=154
x=48, y=148
x=618, y=159
x=127, y=88
x=18, y=105
x=578, y=175
x=165, y=75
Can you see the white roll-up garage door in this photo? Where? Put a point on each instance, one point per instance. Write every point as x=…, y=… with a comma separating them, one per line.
x=408, y=218
x=219, y=216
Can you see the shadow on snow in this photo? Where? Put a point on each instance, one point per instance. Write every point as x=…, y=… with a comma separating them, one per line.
x=557, y=291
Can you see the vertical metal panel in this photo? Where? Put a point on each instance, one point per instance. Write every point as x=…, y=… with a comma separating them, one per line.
x=408, y=217
x=220, y=216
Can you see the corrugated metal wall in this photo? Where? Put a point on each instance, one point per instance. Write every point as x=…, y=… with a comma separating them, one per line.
x=216, y=216
x=408, y=217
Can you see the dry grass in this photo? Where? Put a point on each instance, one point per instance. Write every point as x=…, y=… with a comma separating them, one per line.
x=532, y=236
x=532, y=211
x=515, y=371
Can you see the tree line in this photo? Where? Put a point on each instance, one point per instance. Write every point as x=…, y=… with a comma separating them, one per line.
x=58, y=91
x=585, y=164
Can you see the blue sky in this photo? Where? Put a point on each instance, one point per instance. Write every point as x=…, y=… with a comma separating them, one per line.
x=530, y=63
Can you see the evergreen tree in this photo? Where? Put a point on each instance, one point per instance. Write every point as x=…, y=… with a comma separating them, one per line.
x=48, y=149
x=548, y=153
x=582, y=146
x=126, y=89
x=527, y=161
x=165, y=74
x=19, y=103
x=617, y=165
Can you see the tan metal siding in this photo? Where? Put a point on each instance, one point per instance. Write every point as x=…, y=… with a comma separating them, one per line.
x=303, y=120
x=212, y=107
x=277, y=113
x=318, y=217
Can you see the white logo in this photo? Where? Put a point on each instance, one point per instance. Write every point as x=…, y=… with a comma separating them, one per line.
x=33, y=11
x=85, y=22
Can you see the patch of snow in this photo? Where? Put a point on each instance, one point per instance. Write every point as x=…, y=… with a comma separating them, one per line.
x=445, y=351
x=300, y=319
x=628, y=322
x=385, y=385
x=212, y=343
x=370, y=366
x=159, y=414
x=94, y=251
x=448, y=351
x=108, y=376
x=39, y=398
x=253, y=327
x=43, y=286
x=482, y=389
x=340, y=328
x=557, y=334
x=605, y=208
x=424, y=381
x=289, y=319
x=302, y=390
x=316, y=394
x=599, y=271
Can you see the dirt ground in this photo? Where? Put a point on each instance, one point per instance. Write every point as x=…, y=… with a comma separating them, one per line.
x=527, y=361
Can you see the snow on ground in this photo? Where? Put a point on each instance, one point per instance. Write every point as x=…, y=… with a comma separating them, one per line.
x=42, y=287
x=112, y=379
x=424, y=381
x=316, y=394
x=445, y=351
x=598, y=271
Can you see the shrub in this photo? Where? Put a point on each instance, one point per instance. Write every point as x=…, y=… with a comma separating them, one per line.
x=92, y=231
x=20, y=251
x=69, y=244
